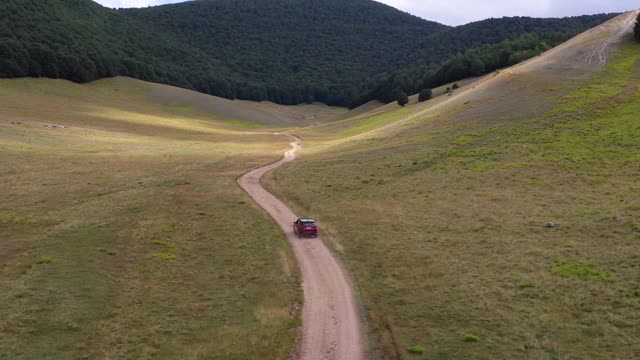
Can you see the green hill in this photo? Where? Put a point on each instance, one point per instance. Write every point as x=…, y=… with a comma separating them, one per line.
x=439, y=208
x=285, y=51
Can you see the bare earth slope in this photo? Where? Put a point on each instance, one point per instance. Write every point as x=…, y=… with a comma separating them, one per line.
x=330, y=321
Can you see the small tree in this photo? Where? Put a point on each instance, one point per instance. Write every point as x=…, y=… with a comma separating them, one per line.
x=403, y=99
x=637, y=28
x=425, y=95
x=455, y=86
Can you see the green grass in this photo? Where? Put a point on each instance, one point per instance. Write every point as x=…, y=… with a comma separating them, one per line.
x=581, y=271
x=44, y=260
x=8, y=218
x=471, y=338
x=526, y=285
x=416, y=349
x=165, y=256
x=162, y=264
x=440, y=218
x=370, y=123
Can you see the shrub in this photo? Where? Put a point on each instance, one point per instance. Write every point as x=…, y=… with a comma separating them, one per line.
x=455, y=86
x=471, y=338
x=403, y=99
x=425, y=95
x=416, y=349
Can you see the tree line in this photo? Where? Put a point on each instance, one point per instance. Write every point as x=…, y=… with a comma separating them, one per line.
x=285, y=51
x=475, y=62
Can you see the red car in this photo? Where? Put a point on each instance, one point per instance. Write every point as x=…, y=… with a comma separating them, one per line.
x=305, y=227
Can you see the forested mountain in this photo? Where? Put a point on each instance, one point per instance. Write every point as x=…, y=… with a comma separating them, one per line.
x=81, y=41
x=287, y=51
x=291, y=51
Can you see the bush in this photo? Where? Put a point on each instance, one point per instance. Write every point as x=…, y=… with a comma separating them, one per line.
x=403, y=99
x=425, y=95
x=471, y=338
x=416, y=349
x=455, y=86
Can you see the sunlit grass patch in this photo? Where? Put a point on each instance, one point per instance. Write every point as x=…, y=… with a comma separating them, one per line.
x=526, y=285
x=416, y=349
x=169, y=228
x=471, y=338
x=373, y=122
x=44, y=260
x=608, y=83
x=10, y=218
x=169, y=250
x=165, y=256
x=581, y=271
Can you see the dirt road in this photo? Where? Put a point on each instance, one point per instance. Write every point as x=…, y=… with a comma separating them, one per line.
x=616, y=30
x=330, y=321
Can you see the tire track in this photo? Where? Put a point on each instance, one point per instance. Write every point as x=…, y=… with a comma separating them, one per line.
x=600, y=54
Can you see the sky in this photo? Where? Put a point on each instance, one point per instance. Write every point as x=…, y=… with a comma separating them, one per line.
x=457, y=12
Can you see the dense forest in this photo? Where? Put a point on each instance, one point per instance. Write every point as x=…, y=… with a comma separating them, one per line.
x=340, y=52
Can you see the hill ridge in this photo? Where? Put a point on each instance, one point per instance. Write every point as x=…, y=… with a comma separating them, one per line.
x=277, y=50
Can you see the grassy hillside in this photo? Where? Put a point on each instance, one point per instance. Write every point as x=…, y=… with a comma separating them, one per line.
x=284, y=51
x=124, y=234
x=439, y=210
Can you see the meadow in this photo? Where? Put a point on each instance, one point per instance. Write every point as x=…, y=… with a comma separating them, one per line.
x=124, y=235
x=440, y=216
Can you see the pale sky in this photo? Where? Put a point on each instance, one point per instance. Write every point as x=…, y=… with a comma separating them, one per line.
x=457, y=12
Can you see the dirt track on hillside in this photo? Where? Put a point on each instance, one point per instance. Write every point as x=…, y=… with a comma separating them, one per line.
x=330, y=321
x=600, y=54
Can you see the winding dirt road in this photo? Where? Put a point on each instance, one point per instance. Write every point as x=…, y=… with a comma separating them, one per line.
x=616, y=30
x=330, y=322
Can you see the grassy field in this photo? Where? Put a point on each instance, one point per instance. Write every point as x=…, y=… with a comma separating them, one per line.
x=124, y=235
x=440, y=218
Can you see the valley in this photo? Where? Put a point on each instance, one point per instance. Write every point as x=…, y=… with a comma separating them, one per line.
x=498, y=219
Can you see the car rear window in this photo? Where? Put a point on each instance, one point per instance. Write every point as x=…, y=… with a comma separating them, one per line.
x=307, y=222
